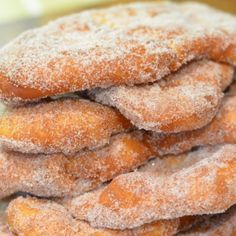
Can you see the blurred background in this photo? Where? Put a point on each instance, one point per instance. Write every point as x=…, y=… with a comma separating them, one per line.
x=19, y=15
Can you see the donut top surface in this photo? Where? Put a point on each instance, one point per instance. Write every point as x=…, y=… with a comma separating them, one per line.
x=127, y=44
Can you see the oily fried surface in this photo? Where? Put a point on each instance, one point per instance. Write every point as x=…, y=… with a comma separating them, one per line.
x=219, y=225
x=186, y=100
x=59, y=175
x=205, y=185
x=127, y=44
x=64, y=125
x=26, y=216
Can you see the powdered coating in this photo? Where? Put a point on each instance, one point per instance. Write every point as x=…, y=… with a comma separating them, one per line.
x=219, y=225
x=58, y=175
x=65, y=126
x=221, y=130
x=26, y=216
x=130, y=200
x=186, y=100
x=128, y=44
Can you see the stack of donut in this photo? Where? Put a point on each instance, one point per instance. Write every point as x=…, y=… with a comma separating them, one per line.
x=121, y=121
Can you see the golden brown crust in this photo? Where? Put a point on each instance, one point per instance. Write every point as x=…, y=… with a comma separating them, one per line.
x=219, y=225
x=64, y=125
x=201, y=183
x=186, y=100
x=221, y=130
x=26, y=216
x=97, y=49
x=58, y=175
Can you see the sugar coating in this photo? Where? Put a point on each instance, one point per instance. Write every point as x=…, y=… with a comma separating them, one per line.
x=206, y=186
x=221, y=130
x=25, y=214
x=118, y=55
x=186, y=100
x=127, y=44
x=67, y=125
x=58, y=175
x=170, y=164
x=220, y=225
x=51, y=215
